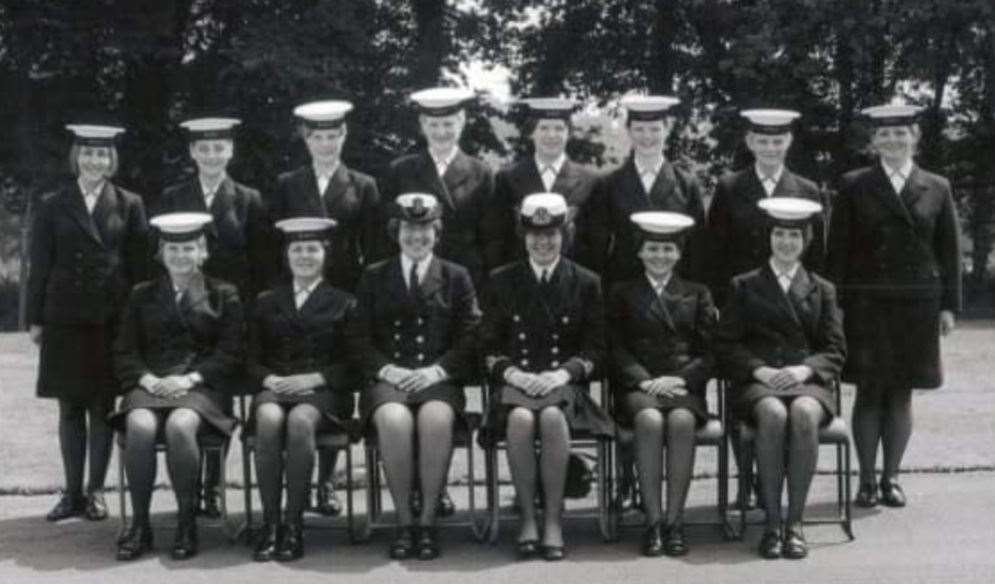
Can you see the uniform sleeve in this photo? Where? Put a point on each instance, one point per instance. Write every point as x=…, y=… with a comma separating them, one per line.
x=129, y=345
x=360, y=332
x=262, y=266
x=587, y=364
x=489, y=234
x=694, y=262
x=735, y=358
x=838, y=248
x=460, y=360
x=829, y=351
x=256, y=369
x=340, y=373
x=718, y=226
x=702, y=365
x=227, y=356
x=630, y=371
x=139, y=246
x=500, y=217
x=947, y=246
x=42, y=254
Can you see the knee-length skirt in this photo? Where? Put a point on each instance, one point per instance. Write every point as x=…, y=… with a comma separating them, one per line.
x=633, y=402
x=335, y=406
x=207, y=402
x=381, y=392
x=893, y=342
x=75, y=362
x=583, y=415
x=746, y=396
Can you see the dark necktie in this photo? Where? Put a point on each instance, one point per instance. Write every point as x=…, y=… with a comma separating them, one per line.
x=413, y=287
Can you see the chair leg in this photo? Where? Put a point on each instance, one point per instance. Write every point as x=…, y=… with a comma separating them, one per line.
x=494, y=487
x=728, y=531
x=847, y=499
x=350, y=512
x=478, y=525
x=371, y=480
x=744, y=483
x=246, y=527
x=122, y=488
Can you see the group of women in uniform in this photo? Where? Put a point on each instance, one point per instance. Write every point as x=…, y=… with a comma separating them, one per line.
x=580, y=278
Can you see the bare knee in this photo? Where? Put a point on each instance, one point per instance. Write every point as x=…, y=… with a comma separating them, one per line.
x=269, y=417
x=393, y=418
x=681, y=421
x=435, y=415
x=770, y=412
x=806, y=414
x=182, y=422
x=301, y=422
x=648, y=420
x=141, y=423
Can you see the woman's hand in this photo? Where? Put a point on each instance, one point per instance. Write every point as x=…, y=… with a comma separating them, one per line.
x=778, y=379
x=394, y=375
x=529, y=383
x=302, y=384
x=665, y=385
x=421, y=378
x=550, y=380
x=34, y=331
x=947, y=322
x=174, y=386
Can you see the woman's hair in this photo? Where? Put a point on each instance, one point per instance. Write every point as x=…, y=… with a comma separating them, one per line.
x=286, y=252
x=567, y=229
x=75, y=150
x=807, y=233
x=680, y=241
x=305, y=130
x=394, y=228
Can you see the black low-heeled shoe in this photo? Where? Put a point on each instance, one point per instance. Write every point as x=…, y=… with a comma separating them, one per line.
x=185, y=546
x=292, y=544
x=653, y=541
x=892, y=494
x=674, y=543
x=404, y=542
x=267, y=544
x=795, y=546
x=771, y=544
x=867, y=496
x=211, y=503
x=553, y=553
x=68, y=506
x=428, y=544
x=327, y=502
x=134, y=542
x=527, y=549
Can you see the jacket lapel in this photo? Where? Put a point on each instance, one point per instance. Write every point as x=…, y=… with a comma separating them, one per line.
x=772, y=290
x=309, y=185
x=106, y=216
x=76, y=208
x=566, y=180
x=912, y=190
x=430, y=176
x=658, y=305
x=337, y=187
x=663, y=186
x=284, y=297
x=457, y=173
x=529, y=178
x=881, y=188
x=800, y=296
x=432, y=280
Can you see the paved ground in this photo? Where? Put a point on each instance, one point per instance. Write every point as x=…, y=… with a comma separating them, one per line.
x=945, y=535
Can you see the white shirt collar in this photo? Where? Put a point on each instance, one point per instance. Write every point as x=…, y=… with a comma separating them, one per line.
x=211, y=192
x=556, y=165
x=447, y=160
x=423, y=265
x=659, y=285
x=549, y=269
x=776, y=176
x=91, y=193
x=311, y=287
x=905, y=170
x=328, y=174
x=790, y=273
x=641, y=170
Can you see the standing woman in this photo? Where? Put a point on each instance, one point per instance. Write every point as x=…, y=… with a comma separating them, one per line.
x=413, y=338
x=543, y=339
x=647, y=181
x=894, y=252
x=463, y=185
x=177, y=354
x=326, y=187
x=236, y=237
x=88, y=247
x=297, y=358
x=780, y=343
x=660, y=331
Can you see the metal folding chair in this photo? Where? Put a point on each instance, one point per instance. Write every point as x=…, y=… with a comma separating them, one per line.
x=211, y=444
x=330, y=441
x=836, y=434
x=711, y=434
x=604, y=465
x=464, y=432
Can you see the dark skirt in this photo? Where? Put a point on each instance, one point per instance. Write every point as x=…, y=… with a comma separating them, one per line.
x=382, y=392
x=583, y=415
x=336, y=408
x=207, y=402
x=746, y=396
x=635, y=401
x=75, y=363
x=893, y=342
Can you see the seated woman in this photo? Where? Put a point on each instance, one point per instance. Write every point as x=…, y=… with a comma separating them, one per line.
x=297, y=357
x=660, y=328
x=179, y=347
x=543, y=338
x=413, y=338
x=780, y=343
